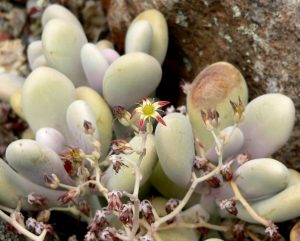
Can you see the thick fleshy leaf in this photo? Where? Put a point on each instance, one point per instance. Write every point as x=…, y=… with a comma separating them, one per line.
x=139, y=37
x=278, y=208
x=94, y=65
x=214, y=88
x=102, y=113
x=233, y=144
x=34, y=161
x=38, y=62
x=182, y=234
x=46, y=96
x=22, y=187
x=160, y=37
x=51, y=138
x=77, y=113
x=62, y=42
x=130, y=78
x=34, y=50
x=124, y=180
x=9, y=84
x=268, y=123
x=175, y=148
x=260, y=178
x=110, y=54
x=56, y=11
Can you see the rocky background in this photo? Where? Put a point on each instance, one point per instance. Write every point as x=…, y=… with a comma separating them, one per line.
x=260, y=37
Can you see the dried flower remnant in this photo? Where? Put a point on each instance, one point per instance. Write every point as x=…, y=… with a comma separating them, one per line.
x=148, y=110
x=214, y=182
x=226, y=172
x=243, y=158
x=272, y=232
x=52, y=180
x=114, y=201
x=88, y=127
x=83, y=207
x=39, y=227
x=210, y=118
x=90, y=236
x=122, y=115
x=126, y=214
x=117, y=162
x=199, y=163
x=36, y=199
x=229, y=206
x=99, y=221
x=120, y=146
x=69, y=195
x=239, y=109
x=146, y=210
x=30, y=224
x=109, y=234
x=171, y=205
x=239, y=232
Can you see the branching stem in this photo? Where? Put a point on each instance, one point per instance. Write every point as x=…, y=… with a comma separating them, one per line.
x=22, y=229
x=195, y=182
x=247, y=206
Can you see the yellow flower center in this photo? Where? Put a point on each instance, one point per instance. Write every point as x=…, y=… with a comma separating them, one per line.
x=148, y=110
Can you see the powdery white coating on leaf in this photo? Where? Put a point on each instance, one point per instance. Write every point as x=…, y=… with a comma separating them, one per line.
x=62, y=42
x=102, y=113
x=57, y=11
x=278, y=208
x=268, y=123
x=10, y=180
x=259, y=178
x=125, y=178
x=175, y=148
x=38, y=62
x=110, y=55
x=139, y=37
x=131, y=78
x=46, y=96
x=34, y=50
x=77, y=113
x=51, y=138
x=94, y=65
x=214, y=88
x=34, y=161
x=160, y=37
x=232, y=146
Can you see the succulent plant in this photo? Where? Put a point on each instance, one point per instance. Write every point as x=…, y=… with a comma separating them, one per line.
x=212, y=162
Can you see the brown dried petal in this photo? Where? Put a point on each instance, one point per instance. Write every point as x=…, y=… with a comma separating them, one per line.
x=126, y=215
x=114, y=201
x=171, y=205
x=214, y=182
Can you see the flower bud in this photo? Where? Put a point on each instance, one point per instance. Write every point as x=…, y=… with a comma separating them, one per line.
x=123, y=116
x=229, y=205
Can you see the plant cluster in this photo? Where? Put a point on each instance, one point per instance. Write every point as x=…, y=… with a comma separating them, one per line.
x=96, y=155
